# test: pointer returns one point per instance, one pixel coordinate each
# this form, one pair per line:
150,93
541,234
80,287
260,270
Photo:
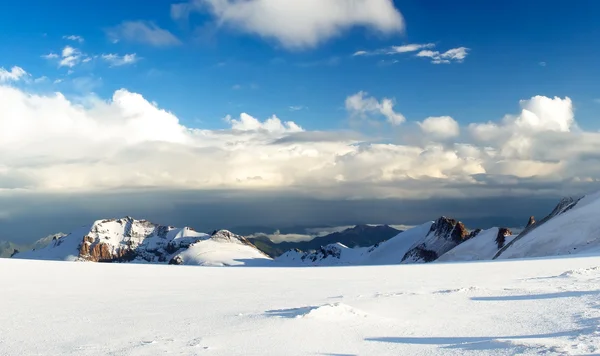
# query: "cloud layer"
297,24
49,143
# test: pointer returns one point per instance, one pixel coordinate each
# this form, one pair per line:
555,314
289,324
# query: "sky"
365,111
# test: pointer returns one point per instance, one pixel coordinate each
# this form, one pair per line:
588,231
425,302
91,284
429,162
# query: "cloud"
15,74
69,57
360,104
142,32
542,64
271,125
298,24
74,38
297,107
395,49
116,60
441,127
54,144
452,55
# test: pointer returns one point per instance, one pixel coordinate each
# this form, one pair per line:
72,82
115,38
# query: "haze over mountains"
571,228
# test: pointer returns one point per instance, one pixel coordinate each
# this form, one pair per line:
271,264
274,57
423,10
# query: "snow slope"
414,245
140,241
572,228
548,306
388,252
481,247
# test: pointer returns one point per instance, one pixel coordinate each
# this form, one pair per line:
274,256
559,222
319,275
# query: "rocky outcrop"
562,207
444,235
531,221
503,232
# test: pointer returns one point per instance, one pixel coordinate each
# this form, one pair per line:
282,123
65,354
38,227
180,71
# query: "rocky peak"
531,221
503,232
449,229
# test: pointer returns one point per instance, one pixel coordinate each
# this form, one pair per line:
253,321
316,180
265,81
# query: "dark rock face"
449,229
501,237
444,235
530,222
420,253
15,251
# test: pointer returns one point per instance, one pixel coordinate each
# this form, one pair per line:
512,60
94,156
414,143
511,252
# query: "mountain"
424,243
573,227
483,246
140,241
7,249
358,236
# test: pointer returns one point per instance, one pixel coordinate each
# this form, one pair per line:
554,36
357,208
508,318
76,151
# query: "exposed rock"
15,251
177,260
444,234
531,221
501,237
449,229
473,233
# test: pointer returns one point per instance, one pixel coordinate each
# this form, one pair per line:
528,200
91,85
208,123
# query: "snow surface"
576,231
526,307
481,247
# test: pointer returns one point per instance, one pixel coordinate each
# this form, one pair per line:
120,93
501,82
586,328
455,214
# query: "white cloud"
396,49
51,143
452,55
74,38
116,60
362,105
142,32
440,127
297,24
15,74
297,107
542,64
69,57
272,124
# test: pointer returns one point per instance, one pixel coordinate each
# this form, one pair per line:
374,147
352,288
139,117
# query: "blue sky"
213,73
405,109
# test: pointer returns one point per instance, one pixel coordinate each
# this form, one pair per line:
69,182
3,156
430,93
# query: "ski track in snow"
529,307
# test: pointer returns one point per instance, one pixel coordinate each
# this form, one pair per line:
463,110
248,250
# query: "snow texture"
525,307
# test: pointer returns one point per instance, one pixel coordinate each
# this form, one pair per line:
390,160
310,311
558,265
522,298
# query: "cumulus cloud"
51,143
441,127
142,32
15,74
271,125
297,24
452,55
116,60
362,105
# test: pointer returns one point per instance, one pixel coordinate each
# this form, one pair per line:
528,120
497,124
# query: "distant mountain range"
7,249
571,228
358,236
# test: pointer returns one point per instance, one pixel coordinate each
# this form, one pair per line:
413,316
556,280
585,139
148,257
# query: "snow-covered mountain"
483,246
423,243
573,227
130,240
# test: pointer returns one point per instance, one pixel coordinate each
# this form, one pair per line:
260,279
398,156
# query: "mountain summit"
131,240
